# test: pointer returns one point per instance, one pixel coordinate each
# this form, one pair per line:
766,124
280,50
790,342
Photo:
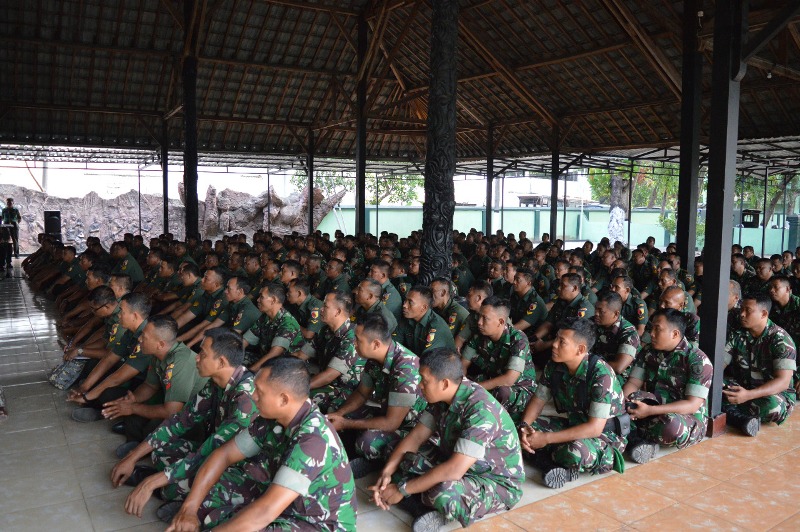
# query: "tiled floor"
54,473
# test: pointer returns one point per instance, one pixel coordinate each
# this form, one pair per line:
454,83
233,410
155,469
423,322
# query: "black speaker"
52,222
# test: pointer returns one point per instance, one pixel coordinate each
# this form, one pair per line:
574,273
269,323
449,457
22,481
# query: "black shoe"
642,452
362,467
166,512
749,425
139,474
123,450
118,428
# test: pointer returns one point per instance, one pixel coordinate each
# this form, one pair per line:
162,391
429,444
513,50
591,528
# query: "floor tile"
30,439
492,524
550,515
382,521
670,480
790,525
718,463
108,511
780,484
90,452
21,405
18,493
684,517
66,517
22,421
742,506
27,389
37,463
613,497
95,479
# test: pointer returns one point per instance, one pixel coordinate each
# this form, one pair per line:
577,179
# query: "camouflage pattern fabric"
281,331
179,458
474,425
490,359
751,362
788,317
616,340
395,383
338,352
596,455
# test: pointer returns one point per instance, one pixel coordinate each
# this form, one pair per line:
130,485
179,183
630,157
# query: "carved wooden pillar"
440,157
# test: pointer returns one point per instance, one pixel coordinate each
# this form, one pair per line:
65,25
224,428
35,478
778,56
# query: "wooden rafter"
651,51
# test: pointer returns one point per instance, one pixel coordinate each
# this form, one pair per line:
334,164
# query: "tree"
400,189
750,193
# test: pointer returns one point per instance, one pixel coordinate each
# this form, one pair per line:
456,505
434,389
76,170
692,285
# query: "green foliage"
398,190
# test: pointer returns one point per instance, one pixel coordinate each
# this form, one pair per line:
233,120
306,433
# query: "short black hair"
226,342
294,266
573,279
242,283
302,284
192,268
375,327
166,325
425,292
276,290
443,363
343,299
582,328
762,300
675,318
483,286
123,280
290,373
139,303
500,305
612,300
102,295
101,272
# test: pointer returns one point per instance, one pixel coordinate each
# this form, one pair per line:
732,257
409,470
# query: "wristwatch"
401,487
80,351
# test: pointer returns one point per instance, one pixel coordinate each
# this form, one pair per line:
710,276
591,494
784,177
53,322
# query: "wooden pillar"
554,174
489,178
165,172
361,129
440,156
310,169
189,75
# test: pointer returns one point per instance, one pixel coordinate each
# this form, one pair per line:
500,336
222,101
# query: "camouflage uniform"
529,308
755,285
692,333
562,309
306,457
430,332
751,362
605,401
474,425
634,311
379,308
670,376
620,338
280,331
337,350
242,315
395,383
215,414
129,266
454,314
490,359
788,317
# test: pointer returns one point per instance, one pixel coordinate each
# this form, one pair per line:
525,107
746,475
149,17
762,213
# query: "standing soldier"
297,476
586,389
667,390
476,437
760,370
12,217
499,358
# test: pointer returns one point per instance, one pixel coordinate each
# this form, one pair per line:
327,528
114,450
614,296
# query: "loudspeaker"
52,222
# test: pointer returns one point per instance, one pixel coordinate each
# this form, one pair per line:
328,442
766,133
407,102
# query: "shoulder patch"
582,312
385,297
429,339
531,308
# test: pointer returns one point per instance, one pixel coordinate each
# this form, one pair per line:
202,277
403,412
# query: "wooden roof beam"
332,8
651,51
506,73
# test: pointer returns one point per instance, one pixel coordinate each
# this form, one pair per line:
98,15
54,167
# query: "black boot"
748,424
553,475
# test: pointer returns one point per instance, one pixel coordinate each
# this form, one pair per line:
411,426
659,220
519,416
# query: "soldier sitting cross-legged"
475,469
184,440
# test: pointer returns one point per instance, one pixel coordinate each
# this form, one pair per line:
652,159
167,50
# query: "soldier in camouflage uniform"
667,390
785,311
469,328
391,378
499,358
760,369
634,309
276,332
183,441
570,304
445,305
528,309
421,329
296,475
674,297
474,435
368,295
759,282
586,389
339,365
617,340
